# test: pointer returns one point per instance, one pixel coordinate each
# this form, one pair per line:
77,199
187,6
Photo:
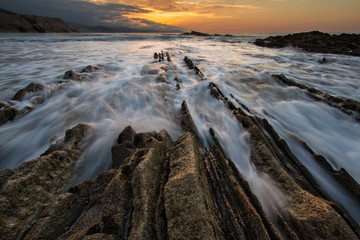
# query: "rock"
189,208
32,87
7,114
188,124
61,213
26,192
146,189
241,212
120,152
315,41
20,94
123,202
310,216
35,87
127,135
13,22
89,69
348,106
72,75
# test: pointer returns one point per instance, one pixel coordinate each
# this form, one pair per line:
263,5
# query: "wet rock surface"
349,106
163,188
31,186
347,44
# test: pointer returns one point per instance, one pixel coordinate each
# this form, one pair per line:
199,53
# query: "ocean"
131,88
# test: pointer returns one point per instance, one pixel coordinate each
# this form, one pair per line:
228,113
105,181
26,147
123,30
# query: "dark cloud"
86,13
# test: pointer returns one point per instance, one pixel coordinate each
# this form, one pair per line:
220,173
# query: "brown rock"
72,75
24,195
188,124
128,134
20,94
61,213
7,114
89,69
146,188
190,211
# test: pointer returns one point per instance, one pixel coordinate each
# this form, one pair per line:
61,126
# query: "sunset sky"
212,16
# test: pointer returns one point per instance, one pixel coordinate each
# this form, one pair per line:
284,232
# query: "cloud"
87,13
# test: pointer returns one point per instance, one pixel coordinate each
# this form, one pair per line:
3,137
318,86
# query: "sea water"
125,91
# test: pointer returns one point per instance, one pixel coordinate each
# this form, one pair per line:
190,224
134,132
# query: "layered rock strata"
308,212
27,190
161,189
349,106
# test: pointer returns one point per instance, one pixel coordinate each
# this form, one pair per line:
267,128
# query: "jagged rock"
348,106
315,41
197,34
72,75
127,206
241,212
127,135
7,114
32,87
311,217
35,87
124,147
189,208
61,213
146,189
25,193
187,123
20,94
89,69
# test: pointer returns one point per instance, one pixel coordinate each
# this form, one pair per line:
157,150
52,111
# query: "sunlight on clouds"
245,15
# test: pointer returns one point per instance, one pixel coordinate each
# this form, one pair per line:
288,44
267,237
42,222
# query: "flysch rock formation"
163,188
13,22
349,106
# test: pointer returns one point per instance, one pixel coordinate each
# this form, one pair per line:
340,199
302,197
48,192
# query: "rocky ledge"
13,22
200,34
163,188
315,41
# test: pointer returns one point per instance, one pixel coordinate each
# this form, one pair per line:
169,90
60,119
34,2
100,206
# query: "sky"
211,16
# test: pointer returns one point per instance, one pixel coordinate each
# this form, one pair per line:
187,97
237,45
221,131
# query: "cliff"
13,22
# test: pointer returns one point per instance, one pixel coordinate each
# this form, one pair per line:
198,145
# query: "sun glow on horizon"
230,16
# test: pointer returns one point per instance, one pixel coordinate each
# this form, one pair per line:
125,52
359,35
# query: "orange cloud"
250,16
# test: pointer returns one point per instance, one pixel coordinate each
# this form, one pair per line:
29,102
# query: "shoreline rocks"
315,41
163,188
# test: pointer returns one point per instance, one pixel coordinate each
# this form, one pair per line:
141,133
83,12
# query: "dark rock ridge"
200,34
13,22
161,189
318,42
191,65
349,106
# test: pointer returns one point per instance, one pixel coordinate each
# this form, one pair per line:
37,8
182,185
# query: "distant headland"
315,41
13,22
